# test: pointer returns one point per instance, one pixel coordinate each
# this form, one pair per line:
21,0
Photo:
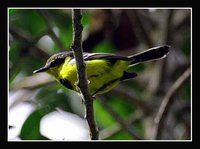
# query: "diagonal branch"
82,77
142,31
48,21
119,119
108,132
28,43
130,97
166,38
167,102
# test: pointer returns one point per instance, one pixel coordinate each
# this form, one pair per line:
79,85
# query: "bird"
104,70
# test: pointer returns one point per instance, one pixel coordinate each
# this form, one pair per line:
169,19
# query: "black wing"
110,57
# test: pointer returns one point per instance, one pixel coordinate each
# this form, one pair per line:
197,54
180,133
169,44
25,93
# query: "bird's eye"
53,64
56,62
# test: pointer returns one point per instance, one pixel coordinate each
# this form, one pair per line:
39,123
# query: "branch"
82,78
48,21
130,97
166,39
167,102
184,22
32,82
108,132
142,31
120,120
29,43
166,26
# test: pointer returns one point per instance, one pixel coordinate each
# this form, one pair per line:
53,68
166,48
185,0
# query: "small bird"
104,70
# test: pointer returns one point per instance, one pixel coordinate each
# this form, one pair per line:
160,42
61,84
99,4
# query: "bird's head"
54,63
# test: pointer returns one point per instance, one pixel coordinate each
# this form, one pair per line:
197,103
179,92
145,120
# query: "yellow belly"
102,75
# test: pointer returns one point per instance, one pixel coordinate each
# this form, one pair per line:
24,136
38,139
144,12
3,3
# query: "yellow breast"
100,73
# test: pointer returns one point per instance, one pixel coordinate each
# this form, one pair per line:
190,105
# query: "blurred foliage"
31,127
122,135
108,31
104,47
104,119
22,18
121,106
54,96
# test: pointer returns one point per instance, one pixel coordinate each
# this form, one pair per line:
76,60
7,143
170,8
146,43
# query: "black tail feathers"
150,54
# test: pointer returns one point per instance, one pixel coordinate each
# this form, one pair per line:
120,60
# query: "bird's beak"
43,69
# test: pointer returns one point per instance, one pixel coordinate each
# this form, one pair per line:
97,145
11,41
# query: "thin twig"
33,82
20,96
167,102
142,32
48,21
166,38
166,26
82,77
120,120
29,43
184,22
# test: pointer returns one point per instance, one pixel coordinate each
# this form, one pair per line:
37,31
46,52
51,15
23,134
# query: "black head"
54,61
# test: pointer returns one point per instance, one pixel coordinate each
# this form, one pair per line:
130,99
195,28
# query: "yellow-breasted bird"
104,71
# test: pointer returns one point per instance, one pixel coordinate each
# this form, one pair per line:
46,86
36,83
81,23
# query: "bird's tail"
150,54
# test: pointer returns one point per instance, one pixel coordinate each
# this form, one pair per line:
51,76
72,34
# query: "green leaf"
121,135
29,20
64,23
104,119
120,106
104,47
28,64
139,127
49,95
31,127
14,57
14,52
86,18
